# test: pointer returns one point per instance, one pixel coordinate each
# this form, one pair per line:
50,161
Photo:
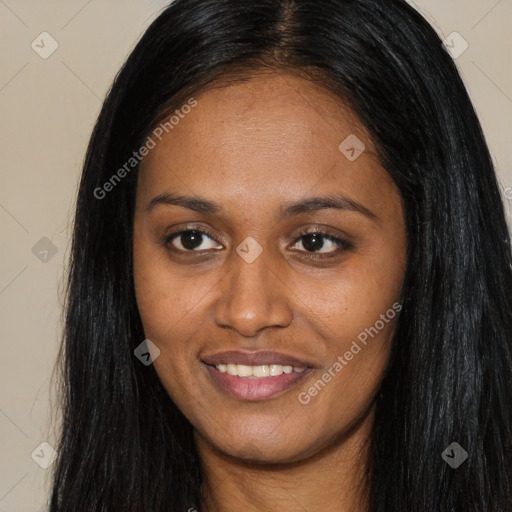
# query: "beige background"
48,109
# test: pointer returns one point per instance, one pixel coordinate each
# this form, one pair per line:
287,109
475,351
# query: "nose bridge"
253,297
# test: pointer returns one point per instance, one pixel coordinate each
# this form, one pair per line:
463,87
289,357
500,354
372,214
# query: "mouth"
254,376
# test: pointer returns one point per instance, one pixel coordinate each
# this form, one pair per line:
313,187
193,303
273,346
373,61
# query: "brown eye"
189,240
321,242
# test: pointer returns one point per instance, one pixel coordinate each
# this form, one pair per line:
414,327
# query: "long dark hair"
124,444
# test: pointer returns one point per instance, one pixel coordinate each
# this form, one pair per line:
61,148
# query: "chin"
270,449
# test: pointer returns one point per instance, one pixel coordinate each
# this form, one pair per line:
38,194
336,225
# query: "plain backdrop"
49,102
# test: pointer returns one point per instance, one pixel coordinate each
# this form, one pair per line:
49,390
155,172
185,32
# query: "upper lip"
254,358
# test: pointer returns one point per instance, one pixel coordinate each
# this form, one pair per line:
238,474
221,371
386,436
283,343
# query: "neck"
333,479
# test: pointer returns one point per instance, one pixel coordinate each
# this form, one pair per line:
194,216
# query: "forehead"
274,135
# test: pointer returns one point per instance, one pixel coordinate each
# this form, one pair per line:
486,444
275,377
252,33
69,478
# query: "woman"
290,273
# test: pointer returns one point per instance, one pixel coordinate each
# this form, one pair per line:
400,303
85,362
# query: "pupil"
313,242
191,239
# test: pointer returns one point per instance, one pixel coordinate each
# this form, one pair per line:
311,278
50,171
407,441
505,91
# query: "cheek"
166,312
355,314
173,307
355,297
165,297
357,336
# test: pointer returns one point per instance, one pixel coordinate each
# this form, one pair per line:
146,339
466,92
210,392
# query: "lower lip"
255,388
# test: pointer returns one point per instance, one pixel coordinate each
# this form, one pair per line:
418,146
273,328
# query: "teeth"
261,371
276,369
244,371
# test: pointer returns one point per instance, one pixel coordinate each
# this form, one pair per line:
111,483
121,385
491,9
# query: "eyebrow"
289,209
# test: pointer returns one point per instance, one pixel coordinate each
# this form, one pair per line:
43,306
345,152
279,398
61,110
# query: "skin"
251,147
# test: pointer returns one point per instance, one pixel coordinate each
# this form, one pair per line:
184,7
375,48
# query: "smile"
259,371
242,381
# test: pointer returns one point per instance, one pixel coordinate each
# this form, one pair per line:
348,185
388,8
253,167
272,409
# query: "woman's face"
273,340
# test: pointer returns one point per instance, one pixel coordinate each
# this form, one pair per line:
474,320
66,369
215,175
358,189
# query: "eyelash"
343,245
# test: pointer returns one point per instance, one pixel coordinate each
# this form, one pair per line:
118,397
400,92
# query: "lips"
254,358
253,388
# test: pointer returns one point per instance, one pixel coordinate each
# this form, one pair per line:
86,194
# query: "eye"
322,242
316,242
191,240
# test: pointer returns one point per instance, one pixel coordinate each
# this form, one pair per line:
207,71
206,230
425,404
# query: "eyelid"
204,231
342,243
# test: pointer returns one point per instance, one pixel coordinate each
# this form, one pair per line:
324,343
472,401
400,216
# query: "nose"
253,297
